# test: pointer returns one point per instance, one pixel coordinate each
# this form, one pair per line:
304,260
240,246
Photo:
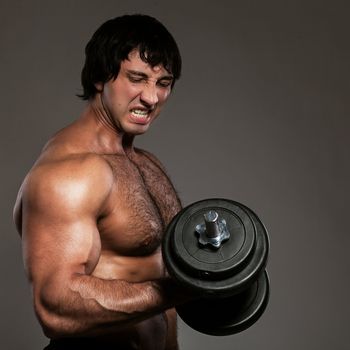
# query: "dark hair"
116,38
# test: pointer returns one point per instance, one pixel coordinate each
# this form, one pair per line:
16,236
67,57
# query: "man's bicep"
53,245
59,226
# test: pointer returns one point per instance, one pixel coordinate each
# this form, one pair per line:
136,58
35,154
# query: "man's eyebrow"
135,72
167,77
144,75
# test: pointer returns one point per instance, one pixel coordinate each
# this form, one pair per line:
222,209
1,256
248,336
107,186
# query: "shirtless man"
93,209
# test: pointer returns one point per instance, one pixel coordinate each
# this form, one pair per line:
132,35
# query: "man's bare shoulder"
72,181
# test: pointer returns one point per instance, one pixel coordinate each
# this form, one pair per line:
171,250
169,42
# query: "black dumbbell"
219,248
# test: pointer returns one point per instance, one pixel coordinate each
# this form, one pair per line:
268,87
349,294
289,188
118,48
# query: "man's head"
116,39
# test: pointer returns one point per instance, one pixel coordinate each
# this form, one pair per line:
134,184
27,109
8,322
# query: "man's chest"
141,205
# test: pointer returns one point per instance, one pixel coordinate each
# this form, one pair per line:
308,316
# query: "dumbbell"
218,248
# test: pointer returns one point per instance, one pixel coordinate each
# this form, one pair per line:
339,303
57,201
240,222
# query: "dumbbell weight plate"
226,270
230,315
208,261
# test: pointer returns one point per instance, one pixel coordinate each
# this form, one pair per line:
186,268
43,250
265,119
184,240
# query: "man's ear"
99,86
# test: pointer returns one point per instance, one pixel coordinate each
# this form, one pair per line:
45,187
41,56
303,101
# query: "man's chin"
136,129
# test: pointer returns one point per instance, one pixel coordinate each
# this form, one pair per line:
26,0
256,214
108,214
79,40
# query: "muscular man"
93,209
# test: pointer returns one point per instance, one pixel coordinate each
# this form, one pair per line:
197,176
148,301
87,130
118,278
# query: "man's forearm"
92,306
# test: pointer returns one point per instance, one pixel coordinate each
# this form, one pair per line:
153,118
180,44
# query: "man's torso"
141,203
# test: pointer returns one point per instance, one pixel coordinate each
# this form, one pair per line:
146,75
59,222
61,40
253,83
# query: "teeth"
139,112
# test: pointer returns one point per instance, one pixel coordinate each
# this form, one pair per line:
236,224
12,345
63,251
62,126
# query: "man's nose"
149,95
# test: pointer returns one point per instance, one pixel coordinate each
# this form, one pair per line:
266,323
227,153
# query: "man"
93,209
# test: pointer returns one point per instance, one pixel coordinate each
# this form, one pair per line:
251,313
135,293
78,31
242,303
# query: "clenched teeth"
139,112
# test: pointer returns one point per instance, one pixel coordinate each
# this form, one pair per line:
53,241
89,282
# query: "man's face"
135,98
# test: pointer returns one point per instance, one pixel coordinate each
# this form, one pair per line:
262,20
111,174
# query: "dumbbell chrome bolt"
214,231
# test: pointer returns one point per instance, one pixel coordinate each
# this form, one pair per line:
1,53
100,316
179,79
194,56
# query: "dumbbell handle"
212,224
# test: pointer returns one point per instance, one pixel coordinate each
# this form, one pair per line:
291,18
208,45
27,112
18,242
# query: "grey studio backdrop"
261,115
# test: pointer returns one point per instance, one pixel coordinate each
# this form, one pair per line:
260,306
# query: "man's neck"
110,139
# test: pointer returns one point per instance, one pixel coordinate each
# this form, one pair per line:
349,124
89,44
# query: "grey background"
260,116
